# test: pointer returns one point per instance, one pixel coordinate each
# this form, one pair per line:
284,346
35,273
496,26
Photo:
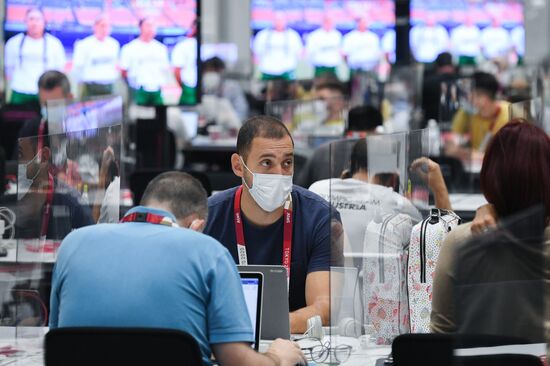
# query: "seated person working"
155,270
248,219
358,196
486,117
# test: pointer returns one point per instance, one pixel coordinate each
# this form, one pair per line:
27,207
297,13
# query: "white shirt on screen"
277,52
146,63
27,58
388,44
95,61
517,35
465,40
324,48
362,49
184,56
495,42
428,42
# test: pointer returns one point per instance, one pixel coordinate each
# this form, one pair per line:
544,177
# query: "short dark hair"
444,59
515,174
486,83
52,79
142,20
30,129
331,84
364,118
359,157
260,126
184,194
214,63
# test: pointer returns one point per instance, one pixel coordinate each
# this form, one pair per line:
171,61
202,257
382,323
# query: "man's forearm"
298,318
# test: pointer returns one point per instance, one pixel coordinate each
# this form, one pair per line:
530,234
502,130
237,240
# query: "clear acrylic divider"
65,181
312,122
381,195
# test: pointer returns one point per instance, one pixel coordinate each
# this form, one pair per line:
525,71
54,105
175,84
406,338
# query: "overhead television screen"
149,46
301,39
473,31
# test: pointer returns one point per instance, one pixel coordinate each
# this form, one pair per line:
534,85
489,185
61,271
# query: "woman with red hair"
515,176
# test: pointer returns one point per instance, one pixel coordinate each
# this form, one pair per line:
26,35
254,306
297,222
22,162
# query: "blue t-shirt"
311,243
148,275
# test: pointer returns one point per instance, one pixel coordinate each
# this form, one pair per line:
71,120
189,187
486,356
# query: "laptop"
274,321
252,283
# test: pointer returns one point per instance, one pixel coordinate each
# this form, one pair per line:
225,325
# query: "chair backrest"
498,360
120,346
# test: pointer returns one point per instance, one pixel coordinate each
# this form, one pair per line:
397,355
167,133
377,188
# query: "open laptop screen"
252,289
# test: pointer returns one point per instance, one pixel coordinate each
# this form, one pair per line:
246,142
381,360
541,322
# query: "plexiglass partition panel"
65,181
369,304
312,122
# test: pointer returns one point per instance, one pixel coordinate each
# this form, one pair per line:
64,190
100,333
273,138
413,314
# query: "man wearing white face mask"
267,220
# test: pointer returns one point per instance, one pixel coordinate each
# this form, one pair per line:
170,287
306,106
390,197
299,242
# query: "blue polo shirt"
148,275
311,243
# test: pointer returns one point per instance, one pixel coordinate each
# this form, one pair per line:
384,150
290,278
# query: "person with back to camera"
267,220
155,269
331,158
27,55
514,177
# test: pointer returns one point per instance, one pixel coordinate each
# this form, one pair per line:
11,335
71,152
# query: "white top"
96,61
323,48
428,42
495,42
362,49
277,52
359,202
465,40
146,63
184,56
27,58
517,36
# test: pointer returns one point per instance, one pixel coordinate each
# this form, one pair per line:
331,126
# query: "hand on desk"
284,352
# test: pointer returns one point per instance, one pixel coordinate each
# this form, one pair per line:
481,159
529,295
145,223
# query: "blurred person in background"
439,85
495,40
428,40
184,61
332,93
144,64
214,82
95,60
361,48
27,55
480,120
277,50
330,159
465,41
324,47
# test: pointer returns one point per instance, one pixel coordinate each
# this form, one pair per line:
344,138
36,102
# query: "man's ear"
237,165
45,154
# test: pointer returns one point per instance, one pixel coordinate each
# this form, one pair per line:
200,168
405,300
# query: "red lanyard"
239,231
47,208
149,218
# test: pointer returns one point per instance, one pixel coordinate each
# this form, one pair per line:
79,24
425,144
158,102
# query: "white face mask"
211,82
269,190
44,112
23,182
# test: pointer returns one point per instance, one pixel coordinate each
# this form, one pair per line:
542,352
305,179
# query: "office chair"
110,346
498,360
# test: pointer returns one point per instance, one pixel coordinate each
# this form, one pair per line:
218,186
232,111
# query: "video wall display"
472,31
151,44
300,39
